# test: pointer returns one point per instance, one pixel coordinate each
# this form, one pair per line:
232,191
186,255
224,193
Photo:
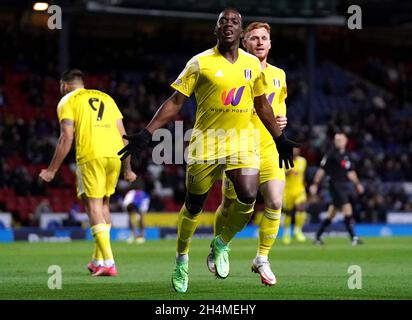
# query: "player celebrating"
227,83
295,199
338,166
272,178
97,123
136,202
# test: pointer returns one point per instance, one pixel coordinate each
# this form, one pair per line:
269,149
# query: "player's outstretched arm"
167,112
62,149
283,144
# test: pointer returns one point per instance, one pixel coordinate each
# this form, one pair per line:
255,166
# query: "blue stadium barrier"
65,234
383,230
62,234
6,235
124,234
54,225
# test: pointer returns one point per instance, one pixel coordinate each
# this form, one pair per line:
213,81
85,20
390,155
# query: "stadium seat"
170,205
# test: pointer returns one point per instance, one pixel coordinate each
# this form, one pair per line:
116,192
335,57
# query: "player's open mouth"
227,33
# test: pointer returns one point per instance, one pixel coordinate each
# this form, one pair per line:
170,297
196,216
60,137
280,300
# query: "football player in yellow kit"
93,118
227,83
272,177
295,199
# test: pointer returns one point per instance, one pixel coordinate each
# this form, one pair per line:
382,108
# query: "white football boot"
263,269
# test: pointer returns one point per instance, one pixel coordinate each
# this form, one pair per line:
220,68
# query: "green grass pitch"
304,271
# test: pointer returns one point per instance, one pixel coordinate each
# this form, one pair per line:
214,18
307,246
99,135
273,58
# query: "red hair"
256,25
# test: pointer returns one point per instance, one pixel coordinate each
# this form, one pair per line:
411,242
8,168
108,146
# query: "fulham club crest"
248,74
276,82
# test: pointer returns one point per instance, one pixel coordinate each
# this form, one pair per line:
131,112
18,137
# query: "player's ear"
242,34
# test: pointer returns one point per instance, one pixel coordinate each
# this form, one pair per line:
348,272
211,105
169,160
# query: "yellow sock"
300,220
220,219
186,227
238,216
97,253
101,235
268,231
286,224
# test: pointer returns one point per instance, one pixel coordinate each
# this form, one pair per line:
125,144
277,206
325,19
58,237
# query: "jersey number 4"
101,108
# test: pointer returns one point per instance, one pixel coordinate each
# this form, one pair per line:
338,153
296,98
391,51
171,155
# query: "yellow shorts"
98,178
269,165
293,198
269,170
200,177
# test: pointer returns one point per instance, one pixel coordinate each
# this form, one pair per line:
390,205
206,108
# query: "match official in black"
338,166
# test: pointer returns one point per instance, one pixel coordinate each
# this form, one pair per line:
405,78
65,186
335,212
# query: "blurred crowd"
391,74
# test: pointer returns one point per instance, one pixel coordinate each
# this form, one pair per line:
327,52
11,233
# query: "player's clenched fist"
282,122
129,176
313,189
46,175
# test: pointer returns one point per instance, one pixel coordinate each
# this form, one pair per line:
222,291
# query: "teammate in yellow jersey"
295,199
272,178
227,83
93,118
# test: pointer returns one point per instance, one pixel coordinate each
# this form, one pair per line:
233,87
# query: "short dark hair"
72,75
234,10
339,130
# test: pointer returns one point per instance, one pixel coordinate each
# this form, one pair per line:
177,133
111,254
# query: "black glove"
137,142
285,150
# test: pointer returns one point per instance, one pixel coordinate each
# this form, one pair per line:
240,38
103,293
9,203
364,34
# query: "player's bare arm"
265,113
62,149
313,189
353,177
167,112
128,173
283,144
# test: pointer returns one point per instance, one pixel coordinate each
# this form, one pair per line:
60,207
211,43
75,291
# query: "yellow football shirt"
224,93
295,177
276,93
94,114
